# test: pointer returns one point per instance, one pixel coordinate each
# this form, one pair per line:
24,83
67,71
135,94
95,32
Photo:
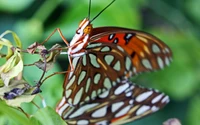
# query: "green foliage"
175,22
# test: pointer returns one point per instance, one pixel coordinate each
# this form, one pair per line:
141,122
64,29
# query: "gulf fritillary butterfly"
97,90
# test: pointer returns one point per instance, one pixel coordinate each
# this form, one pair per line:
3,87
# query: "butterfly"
101,61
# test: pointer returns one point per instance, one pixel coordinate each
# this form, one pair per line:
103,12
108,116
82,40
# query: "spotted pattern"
156,99
107,83
78,96
111,36
108,107
117,66
100,112
123,111
109,59
116,106
82,122
146,64
156,49
128,37
128,63
144,96
84,61
160,62
105,49
97,78
116,40
93,61
142,109
81,77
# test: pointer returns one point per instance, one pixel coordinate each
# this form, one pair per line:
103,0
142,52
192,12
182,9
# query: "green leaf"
47,116
13,116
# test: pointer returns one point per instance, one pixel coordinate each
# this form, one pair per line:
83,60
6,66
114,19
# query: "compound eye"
88,29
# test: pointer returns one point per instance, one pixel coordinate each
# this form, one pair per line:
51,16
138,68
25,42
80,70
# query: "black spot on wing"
133,54
116,40
111,36
128,37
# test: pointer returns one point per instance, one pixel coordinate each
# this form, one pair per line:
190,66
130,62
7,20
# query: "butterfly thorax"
80,39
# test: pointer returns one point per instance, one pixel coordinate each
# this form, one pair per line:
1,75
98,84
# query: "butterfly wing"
95,72
113,53
147,52
123,103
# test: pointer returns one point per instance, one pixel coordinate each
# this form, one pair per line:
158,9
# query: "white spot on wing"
123,111
107,83
120,48
155,48
117,66
74,61
154,108
160,62
167,61
84,60
128,63
165,99
68,93
81,77
111,36
93,60
146,63
143,96
82,122
100,112
156,99
128,36
88,84
109,59
116,106
131,102
104,94
142,109
121,89
105,49
94,94
97,78
78,96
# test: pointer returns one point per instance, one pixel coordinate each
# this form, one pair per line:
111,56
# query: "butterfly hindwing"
123,103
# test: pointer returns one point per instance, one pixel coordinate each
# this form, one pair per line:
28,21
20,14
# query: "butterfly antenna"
102,10
89,9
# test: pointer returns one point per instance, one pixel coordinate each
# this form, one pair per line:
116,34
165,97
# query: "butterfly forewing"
123,103
100,69
148,53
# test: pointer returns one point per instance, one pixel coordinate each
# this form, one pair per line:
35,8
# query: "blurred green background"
176,22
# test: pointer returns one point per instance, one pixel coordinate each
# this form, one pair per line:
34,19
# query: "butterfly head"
83,32
85,27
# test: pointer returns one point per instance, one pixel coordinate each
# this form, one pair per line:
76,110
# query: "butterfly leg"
61,35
